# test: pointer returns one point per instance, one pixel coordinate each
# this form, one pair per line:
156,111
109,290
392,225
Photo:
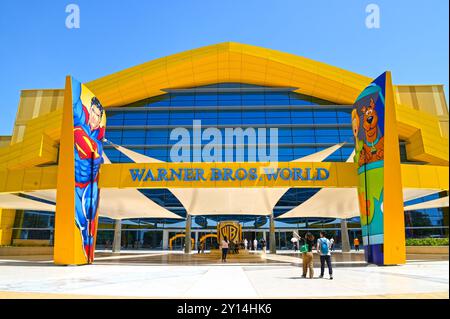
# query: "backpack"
323,246
304,248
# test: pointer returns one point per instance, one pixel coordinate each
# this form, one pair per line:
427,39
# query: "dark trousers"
357,247
224,253
324,259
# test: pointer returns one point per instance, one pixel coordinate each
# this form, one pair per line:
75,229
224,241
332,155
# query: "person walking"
224,246
331,243
294,241
255,244
231,247
323,246
263,245
245,243
307,254
356,243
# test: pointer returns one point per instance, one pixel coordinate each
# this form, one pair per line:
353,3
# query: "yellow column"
7,217
68,244
394,216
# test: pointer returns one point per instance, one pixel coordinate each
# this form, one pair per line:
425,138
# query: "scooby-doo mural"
372,150
368,131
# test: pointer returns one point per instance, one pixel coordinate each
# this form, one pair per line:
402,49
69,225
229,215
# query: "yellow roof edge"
154,75
47,89
399,85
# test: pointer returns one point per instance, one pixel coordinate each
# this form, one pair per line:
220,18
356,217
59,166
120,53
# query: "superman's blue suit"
88,157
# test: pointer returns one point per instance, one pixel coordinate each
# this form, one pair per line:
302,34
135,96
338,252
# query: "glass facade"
305,125
432,222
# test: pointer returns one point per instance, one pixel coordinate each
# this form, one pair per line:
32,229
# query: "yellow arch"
204,237
179,236
229,62
236,62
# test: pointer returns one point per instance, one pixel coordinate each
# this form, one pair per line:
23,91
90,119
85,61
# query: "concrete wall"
31,242
25,251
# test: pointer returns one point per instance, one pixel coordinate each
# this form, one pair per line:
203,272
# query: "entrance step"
242,256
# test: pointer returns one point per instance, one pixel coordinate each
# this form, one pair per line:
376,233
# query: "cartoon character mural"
89,130
355,128
368,130
373,146
80,156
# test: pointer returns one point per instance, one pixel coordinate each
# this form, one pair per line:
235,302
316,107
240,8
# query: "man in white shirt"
324,248
255,244
294,242
245,243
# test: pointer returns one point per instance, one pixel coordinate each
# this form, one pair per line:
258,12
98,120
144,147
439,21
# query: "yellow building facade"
29,158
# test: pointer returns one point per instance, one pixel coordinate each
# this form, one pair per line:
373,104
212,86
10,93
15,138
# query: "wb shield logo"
231,231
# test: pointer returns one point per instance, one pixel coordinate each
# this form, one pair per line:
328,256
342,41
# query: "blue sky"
37,50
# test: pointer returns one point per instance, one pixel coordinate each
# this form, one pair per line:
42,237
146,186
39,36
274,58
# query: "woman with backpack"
323,246
307,254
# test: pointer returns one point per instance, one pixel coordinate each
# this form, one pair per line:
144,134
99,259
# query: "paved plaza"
175,275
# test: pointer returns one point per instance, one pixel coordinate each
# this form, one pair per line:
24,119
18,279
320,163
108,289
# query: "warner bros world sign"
188,174
209,175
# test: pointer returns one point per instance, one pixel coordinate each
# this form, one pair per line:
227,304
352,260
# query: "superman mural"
89,121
